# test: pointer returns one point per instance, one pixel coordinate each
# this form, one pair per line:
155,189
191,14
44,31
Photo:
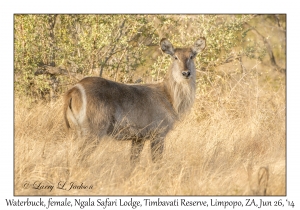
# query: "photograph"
149,105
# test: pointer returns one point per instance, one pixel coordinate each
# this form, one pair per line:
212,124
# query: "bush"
118,46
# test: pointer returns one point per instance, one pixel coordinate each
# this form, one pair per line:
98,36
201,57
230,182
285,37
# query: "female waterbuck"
136,112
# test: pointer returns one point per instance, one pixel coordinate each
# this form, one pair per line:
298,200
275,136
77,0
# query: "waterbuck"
101,107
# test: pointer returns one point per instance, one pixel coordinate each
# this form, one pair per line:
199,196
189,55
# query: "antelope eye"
191,57
175,57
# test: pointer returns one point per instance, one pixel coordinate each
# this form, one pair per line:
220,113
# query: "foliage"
221,31
117,46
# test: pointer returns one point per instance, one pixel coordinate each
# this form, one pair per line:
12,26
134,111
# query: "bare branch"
269,50
112,50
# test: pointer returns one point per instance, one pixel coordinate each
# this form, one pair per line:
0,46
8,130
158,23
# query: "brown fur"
136,112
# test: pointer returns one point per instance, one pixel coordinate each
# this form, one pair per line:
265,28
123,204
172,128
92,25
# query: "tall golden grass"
234,137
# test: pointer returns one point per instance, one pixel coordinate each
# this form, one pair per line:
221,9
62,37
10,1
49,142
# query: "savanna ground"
236,127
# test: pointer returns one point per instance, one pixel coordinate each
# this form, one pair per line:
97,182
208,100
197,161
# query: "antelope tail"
67,104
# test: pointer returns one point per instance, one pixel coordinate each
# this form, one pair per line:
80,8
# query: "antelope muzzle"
186,74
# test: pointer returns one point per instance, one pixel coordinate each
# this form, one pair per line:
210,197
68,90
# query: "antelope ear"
166,46
199,45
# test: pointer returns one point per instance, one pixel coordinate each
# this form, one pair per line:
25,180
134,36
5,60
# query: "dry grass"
236,127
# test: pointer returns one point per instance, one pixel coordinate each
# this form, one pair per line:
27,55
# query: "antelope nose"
186,73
